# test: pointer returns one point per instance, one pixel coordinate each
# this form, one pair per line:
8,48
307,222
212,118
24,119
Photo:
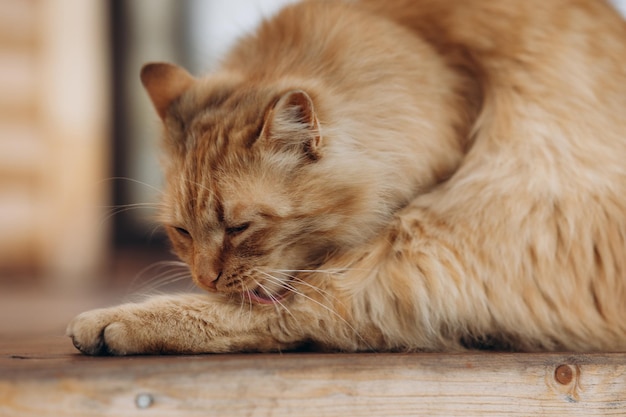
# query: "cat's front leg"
195,323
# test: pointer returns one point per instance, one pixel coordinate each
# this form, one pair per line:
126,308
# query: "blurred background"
79,173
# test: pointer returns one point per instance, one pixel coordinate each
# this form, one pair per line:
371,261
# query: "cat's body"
395,175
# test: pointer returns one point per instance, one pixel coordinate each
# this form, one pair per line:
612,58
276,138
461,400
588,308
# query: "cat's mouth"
262,296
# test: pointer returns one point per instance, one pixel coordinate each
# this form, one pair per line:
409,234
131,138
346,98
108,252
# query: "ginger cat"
400,175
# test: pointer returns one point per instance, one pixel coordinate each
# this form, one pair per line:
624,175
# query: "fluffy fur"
395,175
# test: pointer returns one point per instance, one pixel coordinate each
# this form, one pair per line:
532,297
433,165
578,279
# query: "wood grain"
44,377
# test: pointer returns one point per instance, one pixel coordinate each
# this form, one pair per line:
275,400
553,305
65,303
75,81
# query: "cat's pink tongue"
259,298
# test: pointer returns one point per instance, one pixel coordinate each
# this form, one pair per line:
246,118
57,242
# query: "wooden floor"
41,374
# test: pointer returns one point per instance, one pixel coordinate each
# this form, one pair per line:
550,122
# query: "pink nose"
210,282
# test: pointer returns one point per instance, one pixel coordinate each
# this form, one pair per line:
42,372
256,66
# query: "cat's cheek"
182,246
183,251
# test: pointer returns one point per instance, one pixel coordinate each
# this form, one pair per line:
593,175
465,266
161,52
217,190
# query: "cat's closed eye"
183,232
235,230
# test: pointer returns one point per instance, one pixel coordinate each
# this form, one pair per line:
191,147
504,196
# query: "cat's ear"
292,123
164,84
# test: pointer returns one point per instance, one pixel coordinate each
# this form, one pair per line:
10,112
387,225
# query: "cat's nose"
211,280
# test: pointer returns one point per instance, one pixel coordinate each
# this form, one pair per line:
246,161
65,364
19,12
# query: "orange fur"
395,175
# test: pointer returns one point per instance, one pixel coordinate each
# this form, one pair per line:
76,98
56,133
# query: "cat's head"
251,197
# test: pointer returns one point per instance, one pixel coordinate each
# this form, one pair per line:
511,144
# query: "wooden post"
74,113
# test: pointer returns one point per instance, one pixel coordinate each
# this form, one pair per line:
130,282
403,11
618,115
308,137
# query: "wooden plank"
49,379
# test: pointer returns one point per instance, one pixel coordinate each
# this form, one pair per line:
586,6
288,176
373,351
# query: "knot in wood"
564,374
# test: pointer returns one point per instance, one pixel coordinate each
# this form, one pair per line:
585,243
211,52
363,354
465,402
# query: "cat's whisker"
125,207
159,266
134,205
154,285
327,296
288,286
155,228
334,271
145,184
167,272
244,302
275,301
116,210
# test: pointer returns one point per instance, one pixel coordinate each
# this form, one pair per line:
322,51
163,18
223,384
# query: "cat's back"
576,44
475,23
333,41
558,64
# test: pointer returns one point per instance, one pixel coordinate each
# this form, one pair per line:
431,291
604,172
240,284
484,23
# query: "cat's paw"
104,332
